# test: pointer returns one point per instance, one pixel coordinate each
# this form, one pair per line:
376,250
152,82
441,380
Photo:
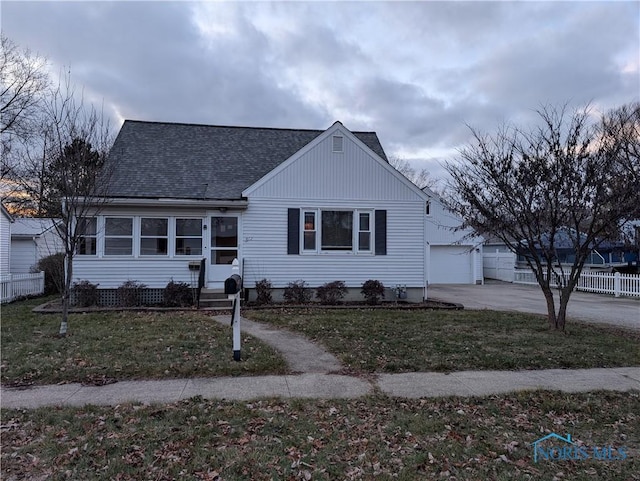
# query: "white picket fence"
599,282
14,286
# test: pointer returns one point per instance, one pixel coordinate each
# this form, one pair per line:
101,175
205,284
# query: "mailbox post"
232,287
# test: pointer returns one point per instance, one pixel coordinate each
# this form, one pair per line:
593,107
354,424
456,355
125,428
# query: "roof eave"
171,202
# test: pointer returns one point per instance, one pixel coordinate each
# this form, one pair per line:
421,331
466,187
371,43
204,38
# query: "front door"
225,236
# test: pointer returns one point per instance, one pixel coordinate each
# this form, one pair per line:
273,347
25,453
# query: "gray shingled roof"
187,161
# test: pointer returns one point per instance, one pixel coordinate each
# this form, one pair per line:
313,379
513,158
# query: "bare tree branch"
567,183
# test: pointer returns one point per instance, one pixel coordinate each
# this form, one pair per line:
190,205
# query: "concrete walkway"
329,386
302,355
504,296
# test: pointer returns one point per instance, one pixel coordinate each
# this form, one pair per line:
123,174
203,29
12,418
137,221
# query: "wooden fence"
599,282
15,286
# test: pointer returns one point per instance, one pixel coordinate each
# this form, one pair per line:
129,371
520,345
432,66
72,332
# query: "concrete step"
215,299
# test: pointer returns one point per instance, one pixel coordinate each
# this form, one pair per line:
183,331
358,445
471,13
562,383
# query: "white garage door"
451,265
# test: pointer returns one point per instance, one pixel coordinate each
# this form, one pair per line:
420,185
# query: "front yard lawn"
369,438
430,340
106,346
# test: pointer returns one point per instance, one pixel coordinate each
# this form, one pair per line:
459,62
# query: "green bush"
85,293
178,294
373,291
297,292
129,293
53,268
331,293
263,292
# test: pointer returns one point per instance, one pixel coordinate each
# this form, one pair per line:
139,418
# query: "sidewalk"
316,385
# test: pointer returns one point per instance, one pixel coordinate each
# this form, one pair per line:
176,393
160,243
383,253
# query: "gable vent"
338,143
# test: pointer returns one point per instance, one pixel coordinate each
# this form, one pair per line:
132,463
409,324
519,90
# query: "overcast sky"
414,72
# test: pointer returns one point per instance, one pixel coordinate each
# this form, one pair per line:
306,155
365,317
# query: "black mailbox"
233,284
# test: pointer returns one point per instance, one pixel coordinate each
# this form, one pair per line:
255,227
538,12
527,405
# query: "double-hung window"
188,237
87,242
118,236
154,236
364,231
309,231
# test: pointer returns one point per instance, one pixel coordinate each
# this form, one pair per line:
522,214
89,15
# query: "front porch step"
215,299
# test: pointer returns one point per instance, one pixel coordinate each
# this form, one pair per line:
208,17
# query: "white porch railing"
599,282
14,286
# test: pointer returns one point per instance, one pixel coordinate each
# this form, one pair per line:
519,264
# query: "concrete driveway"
504,296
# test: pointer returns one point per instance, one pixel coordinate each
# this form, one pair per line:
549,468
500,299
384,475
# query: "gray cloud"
416,73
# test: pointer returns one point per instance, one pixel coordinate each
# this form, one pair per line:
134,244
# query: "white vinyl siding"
265,249
319,174
5,243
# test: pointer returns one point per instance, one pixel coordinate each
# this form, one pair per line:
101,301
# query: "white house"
290,204
31,240
454,255
5,240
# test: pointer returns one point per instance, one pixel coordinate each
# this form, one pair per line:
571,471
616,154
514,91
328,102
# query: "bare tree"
422,178
24,84
560,185
78,139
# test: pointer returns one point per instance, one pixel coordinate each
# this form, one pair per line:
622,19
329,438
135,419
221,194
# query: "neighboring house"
5,240
289,204
31,240
454,256
499,259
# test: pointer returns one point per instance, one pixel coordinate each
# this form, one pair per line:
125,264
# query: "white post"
235,269
616,284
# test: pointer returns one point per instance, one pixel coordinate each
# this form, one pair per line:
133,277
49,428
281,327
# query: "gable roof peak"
176,160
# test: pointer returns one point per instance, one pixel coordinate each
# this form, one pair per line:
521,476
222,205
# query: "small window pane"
224,232
364,241
309,221
87,246
117,246
115,226
87,226
337,230
150,246
226,256
309,241
364,221
189,227
154,227
189,246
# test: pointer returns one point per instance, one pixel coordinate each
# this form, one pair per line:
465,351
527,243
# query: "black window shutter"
293,232
381,232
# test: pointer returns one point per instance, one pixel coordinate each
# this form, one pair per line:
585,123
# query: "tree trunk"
551,306
66,295
565,294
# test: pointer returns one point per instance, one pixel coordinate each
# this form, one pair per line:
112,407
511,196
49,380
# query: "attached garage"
452,264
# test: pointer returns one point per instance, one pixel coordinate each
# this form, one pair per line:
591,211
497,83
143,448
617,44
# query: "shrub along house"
289,204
